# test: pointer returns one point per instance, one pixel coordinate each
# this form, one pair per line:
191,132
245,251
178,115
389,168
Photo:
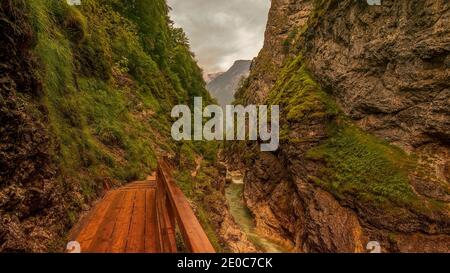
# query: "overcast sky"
222,31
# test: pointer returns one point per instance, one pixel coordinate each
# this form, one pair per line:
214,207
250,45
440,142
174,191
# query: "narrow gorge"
87,89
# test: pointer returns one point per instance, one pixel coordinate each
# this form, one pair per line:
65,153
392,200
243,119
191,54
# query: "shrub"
76,25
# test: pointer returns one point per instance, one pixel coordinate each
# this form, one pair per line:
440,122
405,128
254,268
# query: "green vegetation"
110,72
319,9
299,95
359,164
355,163
200,188
197,177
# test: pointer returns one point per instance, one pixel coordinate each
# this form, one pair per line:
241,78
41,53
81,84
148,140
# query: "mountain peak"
225,85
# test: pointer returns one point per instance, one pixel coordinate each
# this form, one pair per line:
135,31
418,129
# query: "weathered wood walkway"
142,217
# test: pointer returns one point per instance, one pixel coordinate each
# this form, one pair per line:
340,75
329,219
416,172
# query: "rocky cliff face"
30,200
284,16
224,86
84,93
364,95
388,67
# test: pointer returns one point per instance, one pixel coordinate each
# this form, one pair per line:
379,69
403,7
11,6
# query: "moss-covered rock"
346,151
92,85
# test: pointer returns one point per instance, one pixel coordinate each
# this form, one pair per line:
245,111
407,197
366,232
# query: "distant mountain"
211,76
224,86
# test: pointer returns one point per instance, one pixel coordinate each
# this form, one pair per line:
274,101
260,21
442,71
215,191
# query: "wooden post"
174,209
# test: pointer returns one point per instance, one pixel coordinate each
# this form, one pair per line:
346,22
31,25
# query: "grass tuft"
354,163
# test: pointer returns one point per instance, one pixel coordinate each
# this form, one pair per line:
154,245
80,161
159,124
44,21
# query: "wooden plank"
166,228
142,183
122,227
87,233
169,230
141,217
136,184
151,233
139,185
151,177
136,189
194,236
76,230
159,219
102,239
135,242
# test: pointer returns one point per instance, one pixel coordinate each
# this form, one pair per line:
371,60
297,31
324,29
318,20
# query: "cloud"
222,31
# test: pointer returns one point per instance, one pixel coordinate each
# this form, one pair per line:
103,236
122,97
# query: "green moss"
187,156
204,219
288,41
98,123
76,25
299,95
199,189
354,163
357,163
319,9
110,72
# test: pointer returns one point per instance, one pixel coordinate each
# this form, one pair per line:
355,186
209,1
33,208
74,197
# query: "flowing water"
243,217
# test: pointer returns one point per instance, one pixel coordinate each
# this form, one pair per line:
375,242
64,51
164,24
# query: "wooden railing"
174,210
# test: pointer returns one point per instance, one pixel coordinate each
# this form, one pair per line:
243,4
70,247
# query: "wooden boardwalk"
141,217
124,221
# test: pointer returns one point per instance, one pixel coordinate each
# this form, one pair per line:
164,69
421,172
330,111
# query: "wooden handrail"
173,210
